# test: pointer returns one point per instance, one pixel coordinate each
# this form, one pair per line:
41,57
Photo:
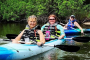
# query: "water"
53,54
11,28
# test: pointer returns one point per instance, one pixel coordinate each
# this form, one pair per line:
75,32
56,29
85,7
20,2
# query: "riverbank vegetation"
18,10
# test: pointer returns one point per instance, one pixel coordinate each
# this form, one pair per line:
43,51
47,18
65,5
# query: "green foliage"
12,10
15,9
76,7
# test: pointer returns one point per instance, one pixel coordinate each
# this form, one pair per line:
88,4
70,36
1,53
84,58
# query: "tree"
12,10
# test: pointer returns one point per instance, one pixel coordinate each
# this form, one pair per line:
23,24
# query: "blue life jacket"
70,24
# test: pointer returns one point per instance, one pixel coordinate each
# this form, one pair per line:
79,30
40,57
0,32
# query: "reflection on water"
82,54
11,28
53,54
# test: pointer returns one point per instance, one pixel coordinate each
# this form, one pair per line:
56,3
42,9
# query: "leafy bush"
12,10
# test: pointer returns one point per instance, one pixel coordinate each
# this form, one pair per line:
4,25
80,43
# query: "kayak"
75,31
13,51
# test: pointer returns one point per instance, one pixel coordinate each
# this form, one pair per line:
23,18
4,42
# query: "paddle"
87,23
78,39
68,48
78,30
70,27
11,36
81,39
62,24
5,39
75,29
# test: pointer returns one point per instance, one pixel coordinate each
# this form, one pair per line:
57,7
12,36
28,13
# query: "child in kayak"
52,29
31,34
72,23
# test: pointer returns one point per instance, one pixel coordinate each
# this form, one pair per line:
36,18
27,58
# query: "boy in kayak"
52,29
72,23
31,34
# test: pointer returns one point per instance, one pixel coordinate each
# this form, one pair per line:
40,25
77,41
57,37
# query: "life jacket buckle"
47,35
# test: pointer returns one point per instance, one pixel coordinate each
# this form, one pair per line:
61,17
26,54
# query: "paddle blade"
68,48
87,23
11,36
38,27
81,39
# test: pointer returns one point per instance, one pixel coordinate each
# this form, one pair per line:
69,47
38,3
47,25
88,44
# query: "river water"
53,54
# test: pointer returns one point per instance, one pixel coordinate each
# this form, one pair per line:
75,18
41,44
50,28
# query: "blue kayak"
75,31
12,51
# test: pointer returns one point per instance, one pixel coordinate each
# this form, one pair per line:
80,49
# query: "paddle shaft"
68,48
75,29
78,39
62,24
57,38
5,40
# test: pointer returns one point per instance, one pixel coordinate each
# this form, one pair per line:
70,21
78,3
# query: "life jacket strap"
35,32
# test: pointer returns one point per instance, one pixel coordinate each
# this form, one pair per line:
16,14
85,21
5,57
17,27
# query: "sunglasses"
51,19
72,17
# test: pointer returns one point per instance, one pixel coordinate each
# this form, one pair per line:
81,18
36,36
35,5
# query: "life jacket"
36,27
32,34
51,31
71,25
